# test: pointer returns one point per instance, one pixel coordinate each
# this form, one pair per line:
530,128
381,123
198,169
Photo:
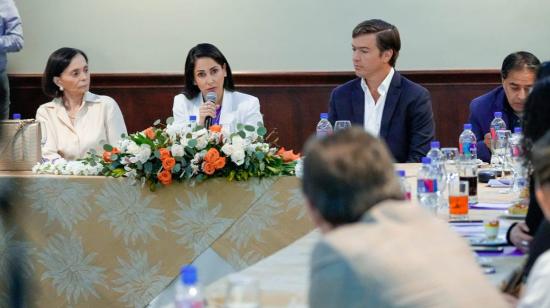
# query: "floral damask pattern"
73,273
61,201
296,200
139,281
129,213
197,224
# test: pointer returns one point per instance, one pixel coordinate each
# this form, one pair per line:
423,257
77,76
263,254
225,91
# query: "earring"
61,88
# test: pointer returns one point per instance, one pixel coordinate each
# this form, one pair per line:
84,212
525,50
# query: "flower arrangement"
163,153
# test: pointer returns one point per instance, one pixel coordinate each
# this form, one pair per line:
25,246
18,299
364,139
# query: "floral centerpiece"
163,153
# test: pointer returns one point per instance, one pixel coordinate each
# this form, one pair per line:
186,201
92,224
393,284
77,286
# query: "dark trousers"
4,96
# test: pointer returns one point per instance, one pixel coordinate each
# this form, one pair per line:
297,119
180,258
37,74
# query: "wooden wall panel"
291,102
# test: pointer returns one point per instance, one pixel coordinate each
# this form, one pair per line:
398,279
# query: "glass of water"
341,125
242,292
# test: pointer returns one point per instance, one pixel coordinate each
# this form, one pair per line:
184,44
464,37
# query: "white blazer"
236,108
98,120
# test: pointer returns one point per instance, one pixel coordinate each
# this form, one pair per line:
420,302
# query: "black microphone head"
211,97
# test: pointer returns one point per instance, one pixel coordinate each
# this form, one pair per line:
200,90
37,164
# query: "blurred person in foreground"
518,73
379,250
76,120
11,40
381,100
207,71
535,293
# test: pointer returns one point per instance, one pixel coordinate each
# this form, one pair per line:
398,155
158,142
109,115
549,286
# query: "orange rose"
164,154
288,156
165,177
168,163
219,163
107,156
150,133
215,128
212,155
115,151
208,168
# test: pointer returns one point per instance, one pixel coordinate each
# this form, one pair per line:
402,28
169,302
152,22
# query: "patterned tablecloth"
95,241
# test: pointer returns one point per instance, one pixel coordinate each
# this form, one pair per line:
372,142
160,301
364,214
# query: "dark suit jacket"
482,112
407,120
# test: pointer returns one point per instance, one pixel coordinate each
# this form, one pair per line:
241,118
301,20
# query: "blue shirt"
11,32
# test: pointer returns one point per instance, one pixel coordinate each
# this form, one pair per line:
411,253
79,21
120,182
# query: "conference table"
283,277
93,241
97,241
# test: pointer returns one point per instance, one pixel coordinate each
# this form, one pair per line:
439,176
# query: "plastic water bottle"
435,153
324,128
16,116
438,165
427,190
467,143
405,186
497,124
188,291
192,122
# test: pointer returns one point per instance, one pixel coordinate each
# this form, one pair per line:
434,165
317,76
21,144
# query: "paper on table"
500,183
469,229
491,206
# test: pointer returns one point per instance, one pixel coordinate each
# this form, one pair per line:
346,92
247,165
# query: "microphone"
210,97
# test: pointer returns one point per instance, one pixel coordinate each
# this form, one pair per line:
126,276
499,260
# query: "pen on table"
465,221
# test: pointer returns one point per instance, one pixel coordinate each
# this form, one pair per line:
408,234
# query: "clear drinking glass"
458,198
467,171
242,292
341,125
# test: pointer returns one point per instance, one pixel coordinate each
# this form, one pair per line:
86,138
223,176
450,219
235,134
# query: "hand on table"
487,140
519,236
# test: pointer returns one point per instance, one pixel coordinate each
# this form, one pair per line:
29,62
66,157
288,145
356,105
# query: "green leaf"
122,136
242,134
260,155
177,168
157,122
261,131
249,128
148,167
240,126
93,151
107,147
170,120
114,157
157,154
192,143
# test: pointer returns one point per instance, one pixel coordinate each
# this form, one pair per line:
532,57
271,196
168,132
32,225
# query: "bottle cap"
400,173
188,274
467,126
426,160
517,130
324,115
498,114
435,145
192,118
16,116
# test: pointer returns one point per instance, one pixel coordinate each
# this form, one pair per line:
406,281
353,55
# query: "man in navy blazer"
385,103
518,74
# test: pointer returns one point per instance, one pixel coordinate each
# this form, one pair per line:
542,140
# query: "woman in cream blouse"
207,70
76,120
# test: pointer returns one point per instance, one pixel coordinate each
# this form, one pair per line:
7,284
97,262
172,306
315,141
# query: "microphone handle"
207,122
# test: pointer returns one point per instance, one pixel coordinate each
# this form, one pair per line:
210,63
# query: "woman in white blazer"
76,120
207,71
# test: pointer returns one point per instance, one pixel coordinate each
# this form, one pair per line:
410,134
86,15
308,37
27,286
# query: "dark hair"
347,173
518,61
544,70
204,50
387,36
57,63
541,160
536,116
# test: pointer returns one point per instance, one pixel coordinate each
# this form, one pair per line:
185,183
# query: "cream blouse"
98,121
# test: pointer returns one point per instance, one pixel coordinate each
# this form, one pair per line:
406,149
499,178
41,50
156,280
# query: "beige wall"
278,35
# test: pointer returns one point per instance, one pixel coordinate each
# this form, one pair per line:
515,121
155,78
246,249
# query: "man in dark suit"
518,74
385,103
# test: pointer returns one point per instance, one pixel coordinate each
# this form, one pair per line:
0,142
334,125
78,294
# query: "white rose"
144,153
177,150
132,148
202,142
227,149
238,157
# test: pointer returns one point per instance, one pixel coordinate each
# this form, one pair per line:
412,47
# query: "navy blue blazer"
482,112
407,120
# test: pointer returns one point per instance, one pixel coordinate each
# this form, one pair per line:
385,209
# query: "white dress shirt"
374,110
98,121
536,290
236,107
